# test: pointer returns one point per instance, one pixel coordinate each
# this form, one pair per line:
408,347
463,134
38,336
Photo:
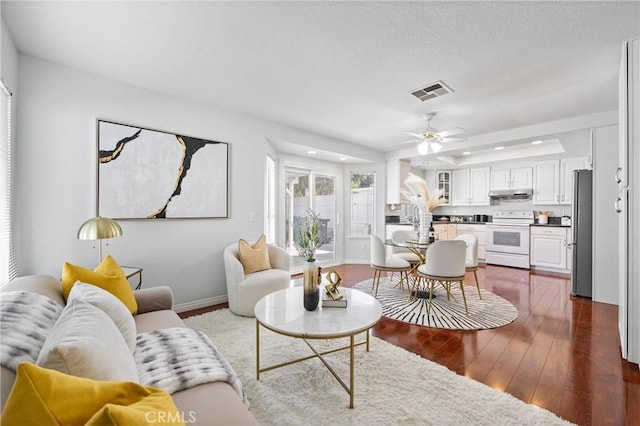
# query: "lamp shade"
99,228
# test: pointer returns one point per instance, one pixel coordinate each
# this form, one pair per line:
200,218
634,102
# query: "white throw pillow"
110,305
84,342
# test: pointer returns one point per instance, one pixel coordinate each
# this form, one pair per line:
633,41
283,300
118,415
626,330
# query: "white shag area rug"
491,311
392,386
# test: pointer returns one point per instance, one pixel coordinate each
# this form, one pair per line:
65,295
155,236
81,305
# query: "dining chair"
445,266
471,264
402,252
381,263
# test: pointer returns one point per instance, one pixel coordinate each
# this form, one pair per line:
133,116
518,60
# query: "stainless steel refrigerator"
582,219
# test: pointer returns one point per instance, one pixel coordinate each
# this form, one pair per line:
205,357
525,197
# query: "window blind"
8,268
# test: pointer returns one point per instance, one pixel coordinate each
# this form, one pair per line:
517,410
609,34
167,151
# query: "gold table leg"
257,350
319,355
351,374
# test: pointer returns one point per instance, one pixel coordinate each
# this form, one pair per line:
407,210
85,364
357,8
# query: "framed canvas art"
151,174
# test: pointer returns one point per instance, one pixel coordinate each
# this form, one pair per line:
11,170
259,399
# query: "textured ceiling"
345,69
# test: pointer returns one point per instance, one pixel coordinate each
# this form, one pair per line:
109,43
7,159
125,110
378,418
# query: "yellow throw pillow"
108,276
158,409
254,257
46,397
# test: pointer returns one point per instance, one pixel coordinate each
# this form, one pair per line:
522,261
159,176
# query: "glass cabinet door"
443,182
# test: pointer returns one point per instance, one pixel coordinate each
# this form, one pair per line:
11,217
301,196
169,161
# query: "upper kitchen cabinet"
521,177
553,180
443,183
397,172
470,187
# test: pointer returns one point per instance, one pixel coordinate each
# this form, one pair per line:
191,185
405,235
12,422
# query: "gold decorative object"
334,282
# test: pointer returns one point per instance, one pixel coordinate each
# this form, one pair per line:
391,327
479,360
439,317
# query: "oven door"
507,239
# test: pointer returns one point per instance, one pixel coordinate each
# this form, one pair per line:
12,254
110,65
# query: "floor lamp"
99,228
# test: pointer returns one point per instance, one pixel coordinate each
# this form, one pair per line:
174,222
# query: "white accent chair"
471,264
244,291
445,265
381,263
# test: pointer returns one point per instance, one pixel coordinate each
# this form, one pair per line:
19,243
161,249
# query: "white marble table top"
283,312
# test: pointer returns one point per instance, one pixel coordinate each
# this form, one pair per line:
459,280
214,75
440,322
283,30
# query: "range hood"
511,194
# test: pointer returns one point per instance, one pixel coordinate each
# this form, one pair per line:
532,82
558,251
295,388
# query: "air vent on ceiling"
433,90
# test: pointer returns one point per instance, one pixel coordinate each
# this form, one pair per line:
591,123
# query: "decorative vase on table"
423,226
310,283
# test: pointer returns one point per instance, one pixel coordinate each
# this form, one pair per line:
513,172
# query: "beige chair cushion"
254,257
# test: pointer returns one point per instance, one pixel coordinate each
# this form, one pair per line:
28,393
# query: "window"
362,204
304,190
270,200
8,268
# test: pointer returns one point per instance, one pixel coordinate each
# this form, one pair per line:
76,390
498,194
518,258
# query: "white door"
304,190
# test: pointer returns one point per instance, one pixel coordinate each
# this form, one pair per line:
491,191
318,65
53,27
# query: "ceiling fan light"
435,146
423,148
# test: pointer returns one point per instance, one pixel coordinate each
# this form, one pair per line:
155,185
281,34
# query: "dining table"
420,249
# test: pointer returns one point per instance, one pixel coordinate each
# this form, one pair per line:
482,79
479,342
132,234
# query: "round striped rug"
489,312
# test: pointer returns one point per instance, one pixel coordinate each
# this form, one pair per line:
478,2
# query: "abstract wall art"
151,174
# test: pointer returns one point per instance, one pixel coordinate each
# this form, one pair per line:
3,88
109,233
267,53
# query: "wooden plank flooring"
562,353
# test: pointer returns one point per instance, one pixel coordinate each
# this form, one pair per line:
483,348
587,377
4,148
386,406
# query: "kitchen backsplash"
557,210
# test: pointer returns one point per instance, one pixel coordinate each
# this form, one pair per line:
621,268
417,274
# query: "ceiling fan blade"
451,132
447,140
417,135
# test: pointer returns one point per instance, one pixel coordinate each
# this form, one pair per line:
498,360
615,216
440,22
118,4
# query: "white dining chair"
381,263
471,263
401,252
445,266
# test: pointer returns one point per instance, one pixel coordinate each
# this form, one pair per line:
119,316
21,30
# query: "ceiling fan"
431,139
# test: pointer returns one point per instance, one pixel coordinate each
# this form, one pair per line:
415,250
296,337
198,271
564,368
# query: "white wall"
56,179
8,58
605,218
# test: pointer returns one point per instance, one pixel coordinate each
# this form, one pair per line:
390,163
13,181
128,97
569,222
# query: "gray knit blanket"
179,358
25,321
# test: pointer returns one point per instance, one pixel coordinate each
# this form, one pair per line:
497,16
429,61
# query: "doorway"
304,190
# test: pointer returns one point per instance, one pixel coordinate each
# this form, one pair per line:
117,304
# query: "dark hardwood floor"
562,353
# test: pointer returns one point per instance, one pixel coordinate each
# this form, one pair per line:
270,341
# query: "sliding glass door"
304,190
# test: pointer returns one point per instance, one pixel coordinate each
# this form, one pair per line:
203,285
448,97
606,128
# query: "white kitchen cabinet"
478,231
521,177
443,183
549,247
397,172
567,166
470,187
546,182
553,180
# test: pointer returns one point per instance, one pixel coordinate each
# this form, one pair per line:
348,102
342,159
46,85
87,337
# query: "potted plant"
308,237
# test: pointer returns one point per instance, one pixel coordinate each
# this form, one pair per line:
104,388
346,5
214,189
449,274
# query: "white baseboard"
210,301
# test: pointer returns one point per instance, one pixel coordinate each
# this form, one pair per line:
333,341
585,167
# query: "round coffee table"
283,312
